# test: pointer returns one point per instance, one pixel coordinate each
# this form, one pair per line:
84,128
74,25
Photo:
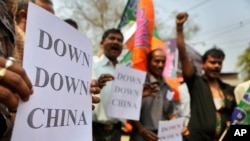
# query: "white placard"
126,96
58,60
170,130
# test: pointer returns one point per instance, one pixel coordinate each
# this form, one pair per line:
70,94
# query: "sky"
224,23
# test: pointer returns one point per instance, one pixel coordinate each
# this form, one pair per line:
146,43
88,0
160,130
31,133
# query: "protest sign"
126,95
170,130
58,60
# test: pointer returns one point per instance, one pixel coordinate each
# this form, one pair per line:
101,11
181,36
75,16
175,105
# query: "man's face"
212,67
45,6
112,45
157,63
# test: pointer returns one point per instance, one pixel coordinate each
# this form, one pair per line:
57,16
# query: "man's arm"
187,66
145,133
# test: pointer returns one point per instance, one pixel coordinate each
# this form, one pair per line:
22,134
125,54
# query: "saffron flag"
145,33
241,114
156,41
144,39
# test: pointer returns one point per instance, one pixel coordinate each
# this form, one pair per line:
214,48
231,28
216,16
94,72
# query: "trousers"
107,132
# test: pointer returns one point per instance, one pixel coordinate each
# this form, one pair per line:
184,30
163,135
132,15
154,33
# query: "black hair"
71,22
214,52
23,5
109,31
45,1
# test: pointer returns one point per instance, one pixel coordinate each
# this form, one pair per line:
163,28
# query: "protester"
14,82
21,20
104,127
212,101
21,14
181,97
154,109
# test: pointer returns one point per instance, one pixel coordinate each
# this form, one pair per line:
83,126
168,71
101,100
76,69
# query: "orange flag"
146,37
143,34
156,42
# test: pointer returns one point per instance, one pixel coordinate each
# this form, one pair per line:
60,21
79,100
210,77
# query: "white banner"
58,60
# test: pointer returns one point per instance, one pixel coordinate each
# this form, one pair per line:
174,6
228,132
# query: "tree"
92,16
244,63
95,16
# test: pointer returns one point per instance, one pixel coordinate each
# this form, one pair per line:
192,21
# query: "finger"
146,85
95,99
95,87
22,73
17,84
95,90
153,95
17,69
107,77
150,137
153,136
93,107
101,85
156,89
182,14
9,99
185,131
94,83
179,16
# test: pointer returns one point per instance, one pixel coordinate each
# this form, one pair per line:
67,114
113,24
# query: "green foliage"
244,63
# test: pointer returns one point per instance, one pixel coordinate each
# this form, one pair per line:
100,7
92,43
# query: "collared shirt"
103,65
182,108
155,109
202,123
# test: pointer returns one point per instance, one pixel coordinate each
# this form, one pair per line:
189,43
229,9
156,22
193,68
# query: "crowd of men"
211,100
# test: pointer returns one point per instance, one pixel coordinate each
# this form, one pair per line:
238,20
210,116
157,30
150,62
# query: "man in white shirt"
104,127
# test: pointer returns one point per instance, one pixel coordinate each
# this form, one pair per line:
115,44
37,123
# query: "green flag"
129,13
128,16
241,114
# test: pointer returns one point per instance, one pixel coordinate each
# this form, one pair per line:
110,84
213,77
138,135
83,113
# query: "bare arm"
187,66
145,133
